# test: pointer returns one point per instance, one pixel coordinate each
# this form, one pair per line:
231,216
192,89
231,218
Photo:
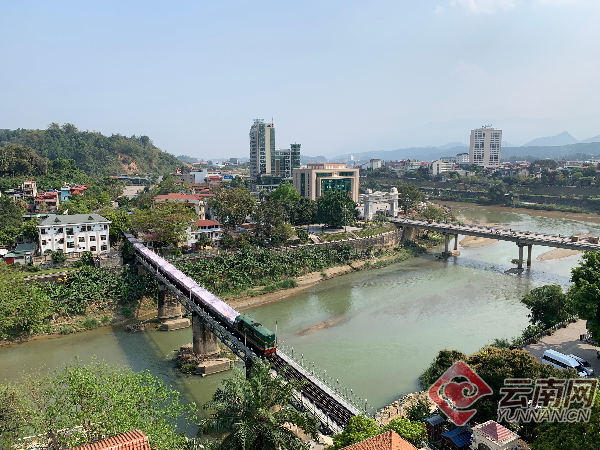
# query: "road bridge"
329,401
521,238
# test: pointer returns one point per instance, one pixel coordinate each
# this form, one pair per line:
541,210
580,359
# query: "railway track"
324,401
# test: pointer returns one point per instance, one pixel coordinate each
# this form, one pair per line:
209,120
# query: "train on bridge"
256,336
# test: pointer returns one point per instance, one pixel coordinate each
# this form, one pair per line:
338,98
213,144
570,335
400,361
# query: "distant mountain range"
562,144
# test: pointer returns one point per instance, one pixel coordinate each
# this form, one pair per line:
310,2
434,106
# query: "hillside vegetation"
97,155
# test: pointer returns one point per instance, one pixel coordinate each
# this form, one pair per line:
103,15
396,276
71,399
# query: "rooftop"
385,441
130,440
72,219
207,223
495,431
182,196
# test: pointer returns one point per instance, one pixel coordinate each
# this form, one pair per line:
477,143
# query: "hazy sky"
336,76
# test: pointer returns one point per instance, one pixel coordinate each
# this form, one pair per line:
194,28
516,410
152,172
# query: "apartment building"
74,233
262,146
485,147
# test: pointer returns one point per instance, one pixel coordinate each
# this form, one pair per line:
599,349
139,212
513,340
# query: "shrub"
90,323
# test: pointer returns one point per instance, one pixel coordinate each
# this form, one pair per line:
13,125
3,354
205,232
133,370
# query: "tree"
256,412
204,240
585,291
497,194
433,212
169,221
569,436
285,192
548,305
268,215
11,218
413,431
24,307
120,221
358,429
29,230
440,364
409,196
232,206
77,404
302,212
336,209
17,159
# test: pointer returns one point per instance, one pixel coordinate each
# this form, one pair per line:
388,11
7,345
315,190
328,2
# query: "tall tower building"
484,149
262,146
284,161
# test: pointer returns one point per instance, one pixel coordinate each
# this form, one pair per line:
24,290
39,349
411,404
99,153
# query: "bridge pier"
169,311
204,342
520,263
447,252
529,256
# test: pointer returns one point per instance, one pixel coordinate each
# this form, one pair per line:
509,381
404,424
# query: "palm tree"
256,412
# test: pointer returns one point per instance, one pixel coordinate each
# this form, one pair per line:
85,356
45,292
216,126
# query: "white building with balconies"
76,233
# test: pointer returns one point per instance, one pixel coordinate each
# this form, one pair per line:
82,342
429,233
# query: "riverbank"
246,302
105,318
580,217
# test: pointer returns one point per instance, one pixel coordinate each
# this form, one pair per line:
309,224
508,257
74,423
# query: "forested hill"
94,153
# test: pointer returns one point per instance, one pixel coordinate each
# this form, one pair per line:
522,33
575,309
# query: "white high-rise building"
262,147
485,147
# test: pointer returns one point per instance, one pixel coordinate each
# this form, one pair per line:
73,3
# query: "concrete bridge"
521,238
331,403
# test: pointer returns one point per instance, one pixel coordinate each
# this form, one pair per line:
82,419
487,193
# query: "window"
81,239
325,174
102,238
339,184
92,238
346,174
106,227
44,242
89,228
93,249
303,184
70,244
103,248
42,231
61,241
60,230
69,231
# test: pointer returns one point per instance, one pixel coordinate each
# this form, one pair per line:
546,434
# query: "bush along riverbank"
253,272
82,300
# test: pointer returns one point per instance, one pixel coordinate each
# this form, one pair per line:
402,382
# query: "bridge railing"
348,395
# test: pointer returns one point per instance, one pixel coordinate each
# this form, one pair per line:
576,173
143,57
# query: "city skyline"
377,76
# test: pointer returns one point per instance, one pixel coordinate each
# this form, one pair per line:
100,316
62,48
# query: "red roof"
130,440
496,432
385,441
207,223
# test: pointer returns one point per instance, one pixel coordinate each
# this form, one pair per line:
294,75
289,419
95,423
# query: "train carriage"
256,336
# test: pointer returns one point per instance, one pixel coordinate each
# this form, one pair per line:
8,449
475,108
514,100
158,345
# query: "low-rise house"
390,440
51,199
196,201
74,233
29,188
493,436
130,440
457,439
22,254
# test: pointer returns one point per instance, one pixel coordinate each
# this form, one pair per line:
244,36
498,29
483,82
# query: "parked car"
585,364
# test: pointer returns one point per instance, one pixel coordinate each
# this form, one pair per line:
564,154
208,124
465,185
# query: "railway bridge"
521,238
329,401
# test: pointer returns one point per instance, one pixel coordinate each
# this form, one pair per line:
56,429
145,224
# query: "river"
374,330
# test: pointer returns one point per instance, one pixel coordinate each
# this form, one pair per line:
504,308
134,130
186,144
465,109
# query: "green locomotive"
254,334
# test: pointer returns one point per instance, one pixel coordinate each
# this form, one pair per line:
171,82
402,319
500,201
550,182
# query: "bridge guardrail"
346,394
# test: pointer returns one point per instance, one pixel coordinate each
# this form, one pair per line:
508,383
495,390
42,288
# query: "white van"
586,365
561,361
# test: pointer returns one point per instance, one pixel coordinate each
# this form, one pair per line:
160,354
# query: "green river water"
374,330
